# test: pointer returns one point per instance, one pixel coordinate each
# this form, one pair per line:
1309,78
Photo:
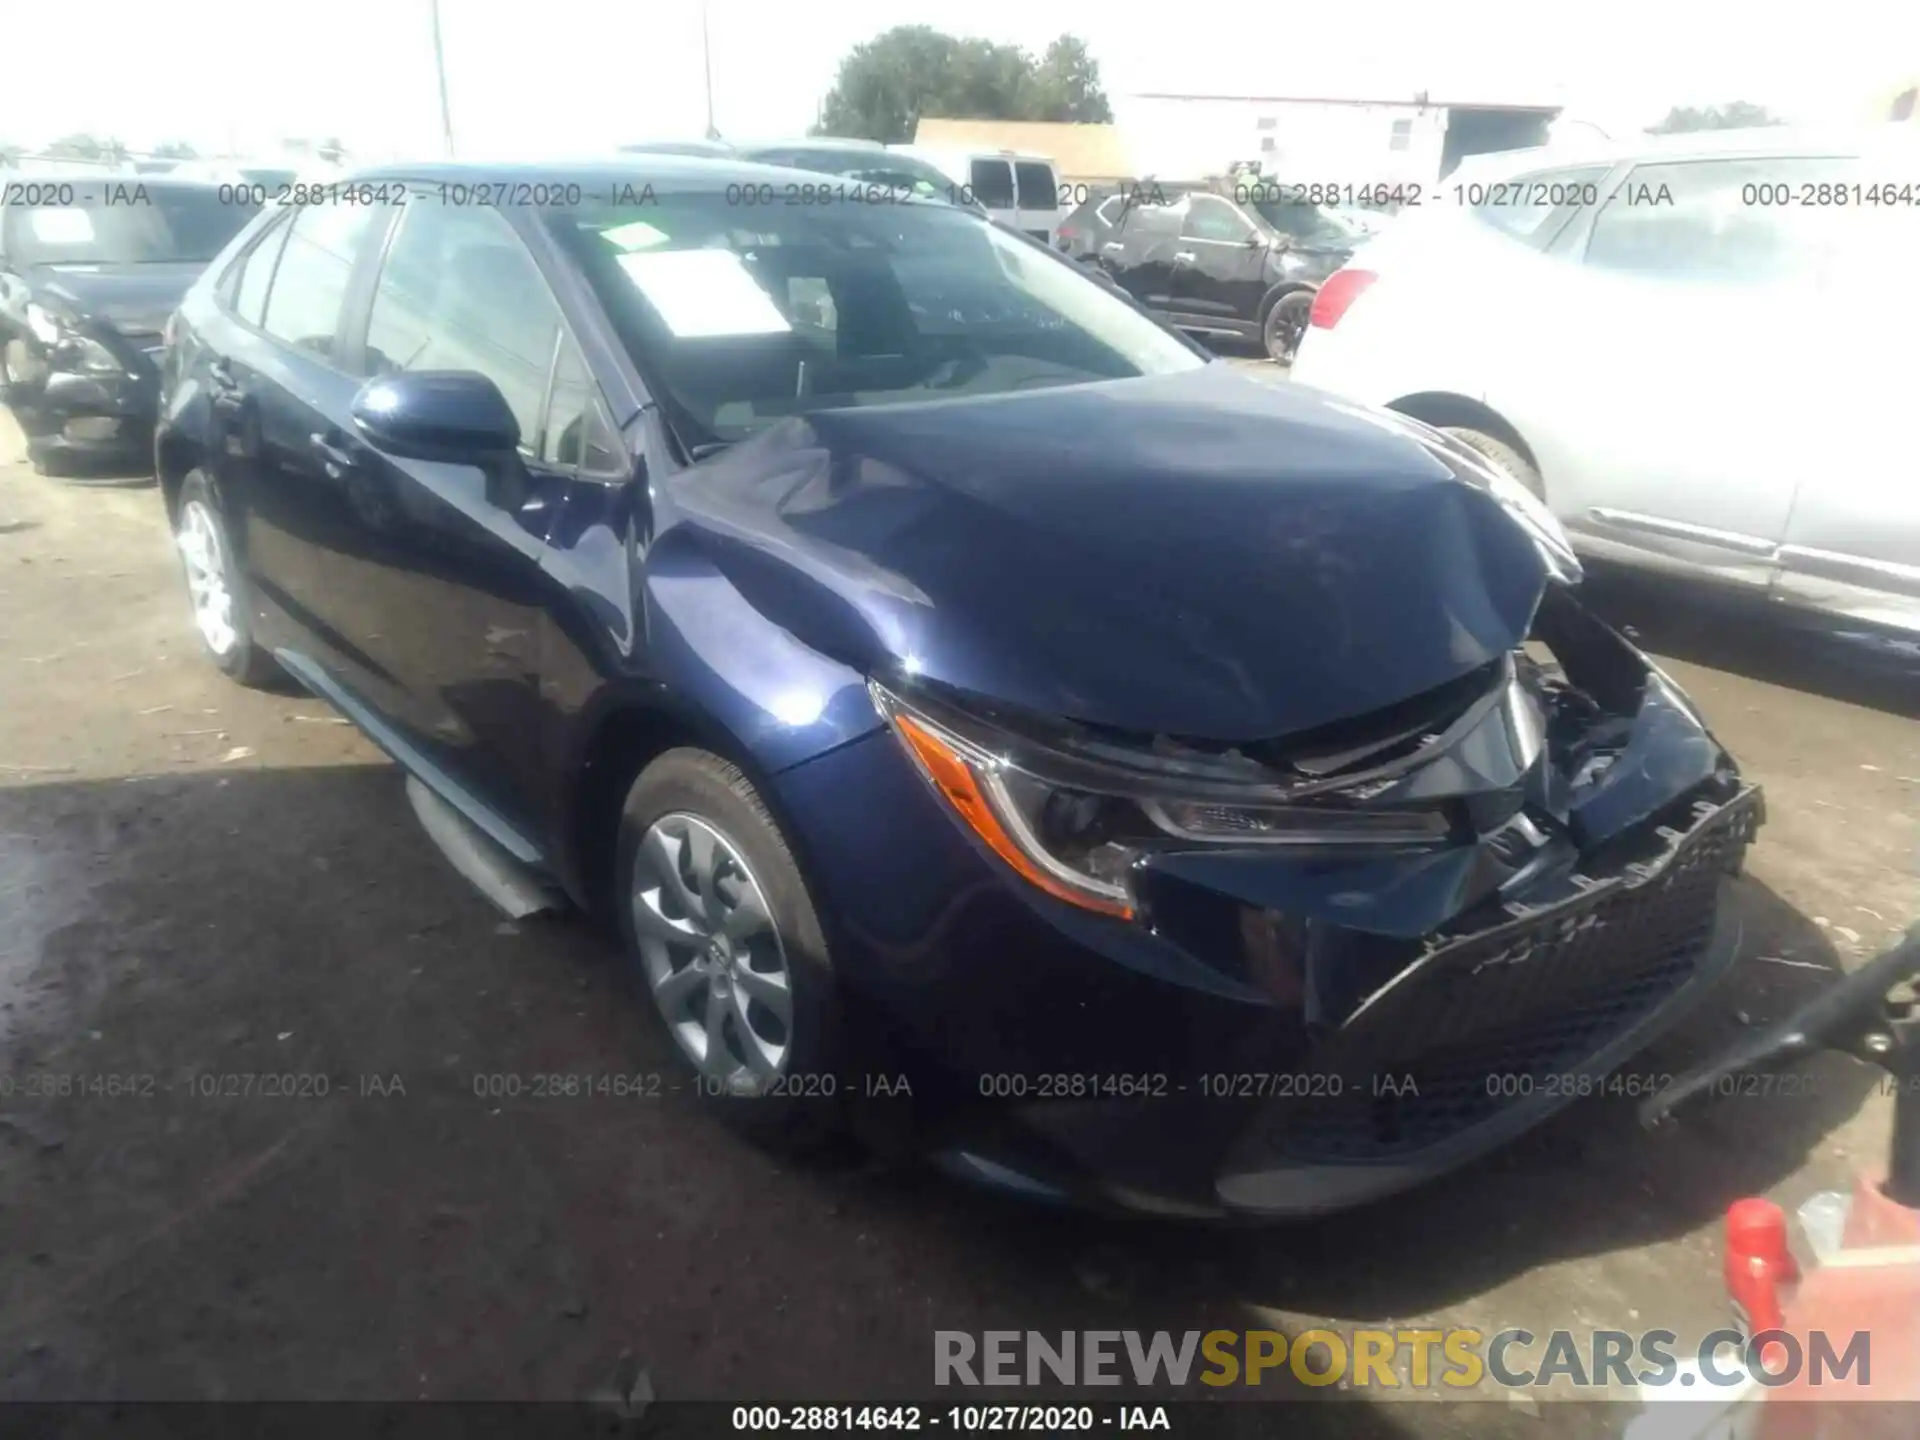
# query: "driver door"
444,581
1219,271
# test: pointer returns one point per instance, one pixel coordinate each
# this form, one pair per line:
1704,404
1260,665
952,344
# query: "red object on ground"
1758,1263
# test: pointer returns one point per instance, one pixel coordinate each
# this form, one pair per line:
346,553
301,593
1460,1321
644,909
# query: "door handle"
1183,257
220,372
1114,245
335,457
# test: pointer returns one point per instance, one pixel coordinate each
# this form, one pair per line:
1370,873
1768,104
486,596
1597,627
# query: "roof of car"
1756,140
88,175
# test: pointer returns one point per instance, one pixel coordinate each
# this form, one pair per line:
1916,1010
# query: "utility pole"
706,57
440,69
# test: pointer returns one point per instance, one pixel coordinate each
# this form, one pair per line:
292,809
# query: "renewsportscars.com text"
1442,1360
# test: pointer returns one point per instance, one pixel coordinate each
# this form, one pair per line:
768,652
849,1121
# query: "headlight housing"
44,324
1075,824
67,348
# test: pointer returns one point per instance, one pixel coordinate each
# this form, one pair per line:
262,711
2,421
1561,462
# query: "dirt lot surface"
199,882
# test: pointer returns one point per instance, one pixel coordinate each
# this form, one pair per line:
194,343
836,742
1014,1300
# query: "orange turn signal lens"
955,777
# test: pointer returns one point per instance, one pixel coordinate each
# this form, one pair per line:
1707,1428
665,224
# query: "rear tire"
724,938
1283,325
1502,455
222,604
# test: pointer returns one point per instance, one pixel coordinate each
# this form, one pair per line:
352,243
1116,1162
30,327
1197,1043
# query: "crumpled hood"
133,299
1201,554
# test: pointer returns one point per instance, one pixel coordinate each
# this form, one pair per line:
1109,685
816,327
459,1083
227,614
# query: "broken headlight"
1075,823
67,348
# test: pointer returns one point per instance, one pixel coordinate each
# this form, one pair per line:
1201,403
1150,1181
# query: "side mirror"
458,416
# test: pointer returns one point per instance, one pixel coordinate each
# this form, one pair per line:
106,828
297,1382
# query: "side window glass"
577,434
1211,218
1533,207
993,183
459,291
1736,222
1038,189
309,285
248,294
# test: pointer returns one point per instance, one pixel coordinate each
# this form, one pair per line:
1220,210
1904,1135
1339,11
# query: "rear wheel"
1286,322
1502,455
221,612
725,937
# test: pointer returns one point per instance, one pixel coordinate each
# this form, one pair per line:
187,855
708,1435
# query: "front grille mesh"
1497,1020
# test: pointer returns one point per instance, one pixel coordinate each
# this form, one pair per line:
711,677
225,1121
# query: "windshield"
740,316
1309,224
131,223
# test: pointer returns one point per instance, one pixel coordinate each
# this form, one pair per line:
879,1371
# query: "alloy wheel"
204,554
712,956
1286,323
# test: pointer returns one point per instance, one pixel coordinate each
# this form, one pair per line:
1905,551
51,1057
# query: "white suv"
1698,349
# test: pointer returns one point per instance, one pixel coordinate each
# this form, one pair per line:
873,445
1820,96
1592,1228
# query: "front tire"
1502,455
222,612
725,938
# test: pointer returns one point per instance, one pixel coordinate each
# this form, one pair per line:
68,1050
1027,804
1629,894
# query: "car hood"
133,299
1201,554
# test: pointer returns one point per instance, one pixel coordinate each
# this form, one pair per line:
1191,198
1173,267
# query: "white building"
1327,141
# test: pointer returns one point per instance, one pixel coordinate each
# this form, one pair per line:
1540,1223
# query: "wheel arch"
631,729
1279,290
175,456
1440,408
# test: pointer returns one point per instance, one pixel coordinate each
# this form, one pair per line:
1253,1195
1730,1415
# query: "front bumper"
88,416
1281,1035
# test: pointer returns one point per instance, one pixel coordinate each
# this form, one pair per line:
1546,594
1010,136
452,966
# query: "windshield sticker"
61,226
635,235
704,293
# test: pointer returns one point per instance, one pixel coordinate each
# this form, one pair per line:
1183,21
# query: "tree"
887,83
76,147
1739,115
174,150
1068,84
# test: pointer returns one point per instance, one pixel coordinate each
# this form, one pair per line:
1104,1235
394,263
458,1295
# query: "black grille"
1507,1016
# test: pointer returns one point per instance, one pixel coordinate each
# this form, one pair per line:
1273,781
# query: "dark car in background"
1238,261
1087,228
91,265
1201,795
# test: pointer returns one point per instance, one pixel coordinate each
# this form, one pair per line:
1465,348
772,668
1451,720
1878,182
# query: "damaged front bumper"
87,414
1283,1032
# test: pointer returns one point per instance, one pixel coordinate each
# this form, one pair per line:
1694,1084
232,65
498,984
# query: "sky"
571,76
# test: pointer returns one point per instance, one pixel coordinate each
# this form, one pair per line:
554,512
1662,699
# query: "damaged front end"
1470,906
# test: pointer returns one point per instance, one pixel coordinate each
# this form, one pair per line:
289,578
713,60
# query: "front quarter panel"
782,701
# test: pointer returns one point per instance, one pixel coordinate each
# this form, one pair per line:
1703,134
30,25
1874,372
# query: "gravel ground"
198,882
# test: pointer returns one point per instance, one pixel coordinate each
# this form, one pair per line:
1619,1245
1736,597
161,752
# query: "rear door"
1037,194
1853,540
990,179
1141,253
1654,358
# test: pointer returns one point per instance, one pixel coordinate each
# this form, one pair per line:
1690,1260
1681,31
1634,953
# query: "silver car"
1699,350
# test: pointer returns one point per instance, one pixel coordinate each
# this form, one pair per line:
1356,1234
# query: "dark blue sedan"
989,720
